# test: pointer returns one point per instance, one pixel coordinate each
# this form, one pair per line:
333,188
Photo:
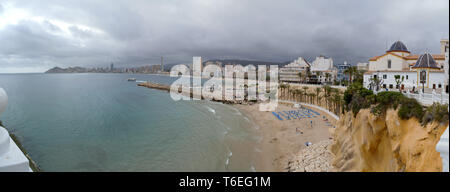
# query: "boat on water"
131,79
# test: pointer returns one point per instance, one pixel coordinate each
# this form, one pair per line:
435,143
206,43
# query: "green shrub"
385,100
436,112
410,108
390,98
356,97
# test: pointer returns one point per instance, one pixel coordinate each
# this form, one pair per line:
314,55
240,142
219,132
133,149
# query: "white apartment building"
323,65
290,72
362,66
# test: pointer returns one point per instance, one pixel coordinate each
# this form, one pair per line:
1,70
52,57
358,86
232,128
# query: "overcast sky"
38,35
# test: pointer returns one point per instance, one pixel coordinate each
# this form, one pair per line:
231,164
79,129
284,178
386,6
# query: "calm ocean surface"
102,122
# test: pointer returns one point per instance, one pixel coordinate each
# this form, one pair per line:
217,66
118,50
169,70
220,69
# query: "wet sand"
283,139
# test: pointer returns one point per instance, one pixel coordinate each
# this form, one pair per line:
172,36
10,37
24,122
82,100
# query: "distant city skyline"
39,35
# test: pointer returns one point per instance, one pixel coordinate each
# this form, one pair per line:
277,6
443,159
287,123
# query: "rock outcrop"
314,158
385,143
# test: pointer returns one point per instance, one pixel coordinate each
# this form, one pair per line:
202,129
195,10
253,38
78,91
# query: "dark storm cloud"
95,33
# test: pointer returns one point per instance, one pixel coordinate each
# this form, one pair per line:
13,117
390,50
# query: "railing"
317,85
429,98
426,98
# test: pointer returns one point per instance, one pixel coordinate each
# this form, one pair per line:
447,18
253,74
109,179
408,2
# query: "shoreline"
283,140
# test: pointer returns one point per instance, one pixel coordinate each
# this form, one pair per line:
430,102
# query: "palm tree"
319,98
308,74
337,103
300,92
300,76
331,94
288,87
318,90
351,71
282,87
327,90
375,83
398,81
327,77
359,75
311,96
305,89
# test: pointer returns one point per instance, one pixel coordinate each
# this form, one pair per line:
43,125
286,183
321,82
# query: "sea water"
102,122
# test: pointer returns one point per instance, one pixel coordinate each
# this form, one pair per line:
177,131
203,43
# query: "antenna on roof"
385,45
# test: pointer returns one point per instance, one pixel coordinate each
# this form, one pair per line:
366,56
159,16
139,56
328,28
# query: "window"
406,77
439,86
374,76
384,76
384,86
389,64
391,86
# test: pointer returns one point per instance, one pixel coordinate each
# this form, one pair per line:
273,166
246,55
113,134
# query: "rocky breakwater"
192,95
367,142
314,158
154,86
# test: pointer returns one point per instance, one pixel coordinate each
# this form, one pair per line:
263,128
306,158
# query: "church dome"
398,46
426,61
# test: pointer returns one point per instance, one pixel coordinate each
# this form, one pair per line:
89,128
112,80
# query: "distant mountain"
167,67
67,70
148,69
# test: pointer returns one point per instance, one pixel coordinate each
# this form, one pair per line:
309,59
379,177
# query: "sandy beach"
283,140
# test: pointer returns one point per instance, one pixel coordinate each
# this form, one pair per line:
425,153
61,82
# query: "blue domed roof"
398,46
426,61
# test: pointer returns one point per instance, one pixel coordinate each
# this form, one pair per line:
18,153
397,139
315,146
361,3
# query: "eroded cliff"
385,143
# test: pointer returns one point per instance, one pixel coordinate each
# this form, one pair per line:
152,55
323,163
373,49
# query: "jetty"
154,86
191,94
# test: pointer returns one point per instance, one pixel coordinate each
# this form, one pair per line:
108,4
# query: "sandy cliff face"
385,143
